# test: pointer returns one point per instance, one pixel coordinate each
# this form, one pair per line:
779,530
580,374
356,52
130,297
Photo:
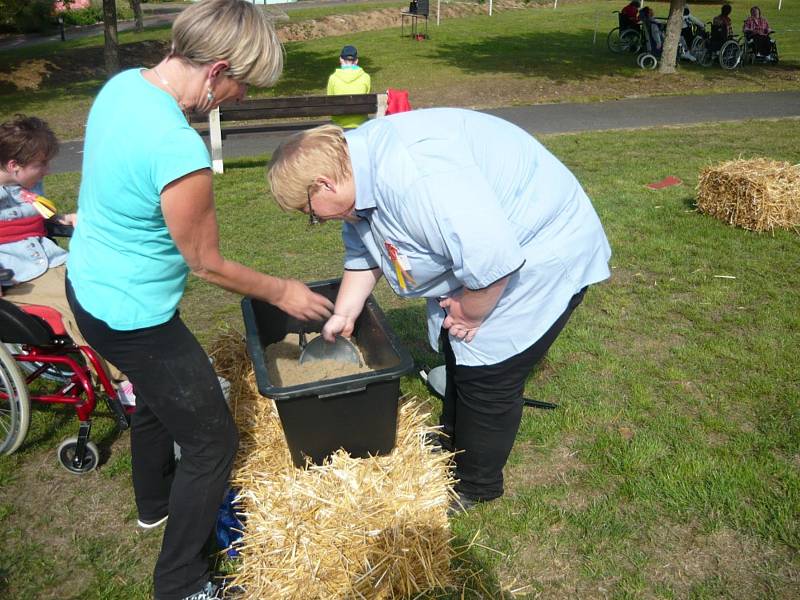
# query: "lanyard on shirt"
45,207
401,266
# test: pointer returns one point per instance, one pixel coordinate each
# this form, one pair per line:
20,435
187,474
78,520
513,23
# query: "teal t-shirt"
123,263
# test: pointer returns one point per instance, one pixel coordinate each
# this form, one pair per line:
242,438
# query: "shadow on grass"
562,57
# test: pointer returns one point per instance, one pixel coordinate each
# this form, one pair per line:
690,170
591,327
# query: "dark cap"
349,52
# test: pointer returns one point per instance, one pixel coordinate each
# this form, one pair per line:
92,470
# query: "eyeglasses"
313,219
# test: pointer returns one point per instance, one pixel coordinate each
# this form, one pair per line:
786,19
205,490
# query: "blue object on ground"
229,527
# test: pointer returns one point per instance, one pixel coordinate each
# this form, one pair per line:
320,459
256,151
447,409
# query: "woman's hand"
467,310
457,323
298,301
338,325
68,219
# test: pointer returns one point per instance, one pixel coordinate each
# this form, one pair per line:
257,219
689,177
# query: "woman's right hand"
338,325
300,302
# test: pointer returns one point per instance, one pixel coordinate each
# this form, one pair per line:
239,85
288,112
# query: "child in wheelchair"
35,263
757,37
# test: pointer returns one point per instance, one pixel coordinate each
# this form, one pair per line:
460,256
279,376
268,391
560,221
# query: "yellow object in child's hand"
45,207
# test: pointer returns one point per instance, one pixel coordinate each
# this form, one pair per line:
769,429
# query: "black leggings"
178,399
482,410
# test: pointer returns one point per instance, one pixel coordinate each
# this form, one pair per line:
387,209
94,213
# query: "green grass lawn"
671,468
524,56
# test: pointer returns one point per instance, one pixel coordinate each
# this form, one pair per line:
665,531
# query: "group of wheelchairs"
706,46
39,362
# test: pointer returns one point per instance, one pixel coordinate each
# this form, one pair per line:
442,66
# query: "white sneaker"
689,56
226,388
125,393
151,524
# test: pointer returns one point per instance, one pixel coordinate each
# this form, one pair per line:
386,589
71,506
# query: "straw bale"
757,194
370,528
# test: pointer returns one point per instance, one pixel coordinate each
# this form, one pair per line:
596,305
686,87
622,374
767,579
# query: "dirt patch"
537,467
681,557
334,25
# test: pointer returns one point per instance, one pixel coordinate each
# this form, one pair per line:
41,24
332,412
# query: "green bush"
83,16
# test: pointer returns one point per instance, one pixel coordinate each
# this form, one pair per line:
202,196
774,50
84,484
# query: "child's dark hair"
25,140
726,9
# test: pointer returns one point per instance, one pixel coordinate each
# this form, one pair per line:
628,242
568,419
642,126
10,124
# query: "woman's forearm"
355,289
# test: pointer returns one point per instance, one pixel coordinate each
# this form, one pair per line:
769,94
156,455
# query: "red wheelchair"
39,362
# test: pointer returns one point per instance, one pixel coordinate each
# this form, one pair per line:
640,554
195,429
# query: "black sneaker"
461,504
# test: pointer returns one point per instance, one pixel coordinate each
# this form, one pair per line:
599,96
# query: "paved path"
560,118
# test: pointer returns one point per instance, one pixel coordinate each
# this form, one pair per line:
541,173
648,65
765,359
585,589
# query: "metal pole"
61,28
438,11
596,22
490,8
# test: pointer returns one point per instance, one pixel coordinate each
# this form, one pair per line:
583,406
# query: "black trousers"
482,410
178,399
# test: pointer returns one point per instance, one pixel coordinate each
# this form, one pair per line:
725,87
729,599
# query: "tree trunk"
136,7
111,49
669,54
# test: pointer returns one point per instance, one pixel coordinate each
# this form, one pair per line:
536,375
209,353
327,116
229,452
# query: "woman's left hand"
68,219
456,322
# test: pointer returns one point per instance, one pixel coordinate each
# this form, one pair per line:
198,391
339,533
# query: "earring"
210,95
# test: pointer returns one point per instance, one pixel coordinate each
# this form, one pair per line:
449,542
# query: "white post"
490,8
438,10
779,4
555,4
596,22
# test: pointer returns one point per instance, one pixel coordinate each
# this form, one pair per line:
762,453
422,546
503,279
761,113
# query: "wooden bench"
269,109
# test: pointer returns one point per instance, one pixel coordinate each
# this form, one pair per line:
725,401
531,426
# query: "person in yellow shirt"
349,78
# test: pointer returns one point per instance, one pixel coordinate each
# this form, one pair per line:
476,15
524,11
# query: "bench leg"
215,132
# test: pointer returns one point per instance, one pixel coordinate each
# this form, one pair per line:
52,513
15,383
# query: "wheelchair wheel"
15,404
648,62
697,43
58,373
66,456
631,41
730,55
614,41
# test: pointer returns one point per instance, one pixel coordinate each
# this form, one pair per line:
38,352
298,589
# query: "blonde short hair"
302,158
231,30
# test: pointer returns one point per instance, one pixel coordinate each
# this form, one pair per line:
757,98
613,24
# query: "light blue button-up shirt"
463,199
31,257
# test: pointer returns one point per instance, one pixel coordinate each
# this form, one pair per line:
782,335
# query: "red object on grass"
666,182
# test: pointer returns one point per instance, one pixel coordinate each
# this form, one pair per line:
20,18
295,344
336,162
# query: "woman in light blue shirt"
472,213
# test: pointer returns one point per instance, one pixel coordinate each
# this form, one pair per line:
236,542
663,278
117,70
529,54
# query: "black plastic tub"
356,412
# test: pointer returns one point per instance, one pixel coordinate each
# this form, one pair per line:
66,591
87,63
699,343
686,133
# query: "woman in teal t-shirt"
147,218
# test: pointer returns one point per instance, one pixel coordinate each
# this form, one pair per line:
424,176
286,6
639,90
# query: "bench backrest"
295,106
265,109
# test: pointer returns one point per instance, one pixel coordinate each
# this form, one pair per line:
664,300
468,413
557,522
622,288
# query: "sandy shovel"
341,350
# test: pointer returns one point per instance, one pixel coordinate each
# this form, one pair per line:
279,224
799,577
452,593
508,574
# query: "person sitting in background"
653,30
723,21
629,15
692,27
27,144
756,28
349,78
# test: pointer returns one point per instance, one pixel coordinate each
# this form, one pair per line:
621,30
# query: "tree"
111,48
136,7
669,53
